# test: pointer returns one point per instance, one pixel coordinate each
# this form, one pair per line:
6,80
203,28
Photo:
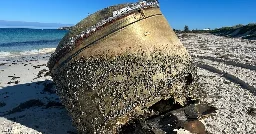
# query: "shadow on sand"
35,105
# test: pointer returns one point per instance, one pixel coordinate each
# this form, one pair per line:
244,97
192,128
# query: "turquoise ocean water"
18,41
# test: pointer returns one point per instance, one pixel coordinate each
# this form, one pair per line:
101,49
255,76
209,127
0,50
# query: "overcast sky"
197,14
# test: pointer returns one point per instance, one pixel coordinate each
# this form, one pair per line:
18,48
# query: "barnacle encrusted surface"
107,92
123,69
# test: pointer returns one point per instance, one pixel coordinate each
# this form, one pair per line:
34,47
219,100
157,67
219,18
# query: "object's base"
166,122
103,93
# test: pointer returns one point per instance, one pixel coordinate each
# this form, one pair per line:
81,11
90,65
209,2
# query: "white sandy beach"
227,71
26,106
227,74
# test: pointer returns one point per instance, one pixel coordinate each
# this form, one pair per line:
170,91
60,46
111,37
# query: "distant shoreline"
31,28
34,25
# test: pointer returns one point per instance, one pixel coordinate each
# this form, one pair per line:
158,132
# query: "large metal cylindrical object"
121,69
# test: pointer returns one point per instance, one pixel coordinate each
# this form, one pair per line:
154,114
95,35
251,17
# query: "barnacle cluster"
103,94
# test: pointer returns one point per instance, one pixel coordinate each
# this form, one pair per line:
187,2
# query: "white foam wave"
24,53
5,54
38,51
47,50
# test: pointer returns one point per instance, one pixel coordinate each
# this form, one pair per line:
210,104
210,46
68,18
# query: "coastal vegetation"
243,31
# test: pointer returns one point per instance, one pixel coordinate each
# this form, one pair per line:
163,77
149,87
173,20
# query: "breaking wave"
4,54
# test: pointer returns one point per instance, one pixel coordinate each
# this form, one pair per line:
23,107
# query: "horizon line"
26,24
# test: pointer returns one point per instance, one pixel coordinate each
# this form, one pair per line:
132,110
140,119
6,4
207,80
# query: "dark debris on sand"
42,73
252,112
26,105
2,104
54,104
49,87
2,64
176,117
